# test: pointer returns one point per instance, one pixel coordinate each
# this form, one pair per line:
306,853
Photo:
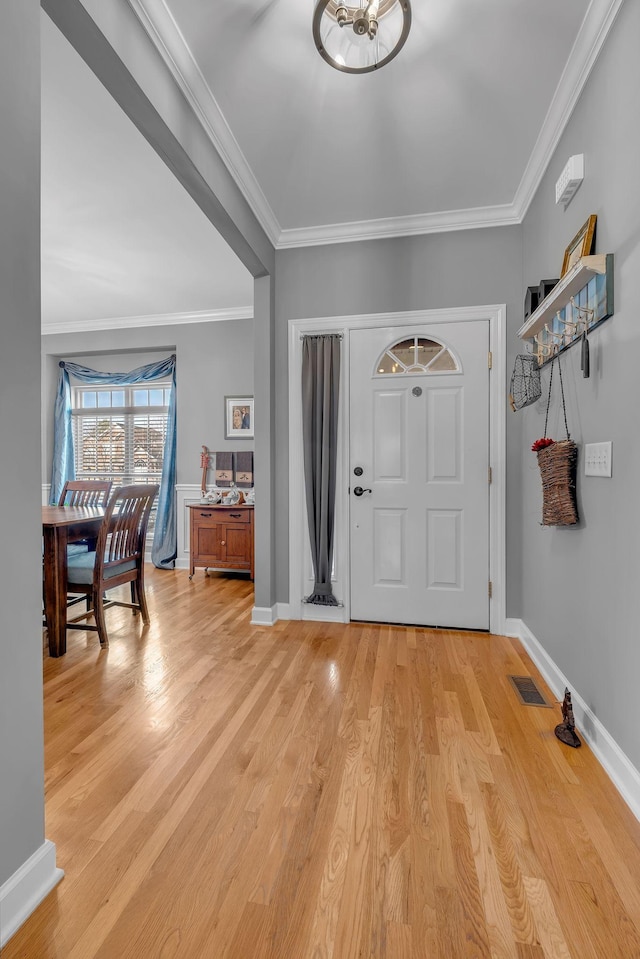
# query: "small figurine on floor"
566,730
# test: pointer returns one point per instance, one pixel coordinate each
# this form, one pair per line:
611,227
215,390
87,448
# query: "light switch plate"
597,459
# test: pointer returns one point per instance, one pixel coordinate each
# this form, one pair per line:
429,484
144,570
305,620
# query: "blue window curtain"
165,542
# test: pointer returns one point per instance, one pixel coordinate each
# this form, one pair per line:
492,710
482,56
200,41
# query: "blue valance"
165,548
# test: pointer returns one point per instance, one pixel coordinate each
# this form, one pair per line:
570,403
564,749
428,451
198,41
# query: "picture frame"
238,418
581,245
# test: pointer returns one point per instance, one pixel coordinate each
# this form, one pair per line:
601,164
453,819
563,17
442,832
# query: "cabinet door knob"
222,543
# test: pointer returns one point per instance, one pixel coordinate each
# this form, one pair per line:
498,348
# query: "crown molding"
152,319
167,38
593,32
415,225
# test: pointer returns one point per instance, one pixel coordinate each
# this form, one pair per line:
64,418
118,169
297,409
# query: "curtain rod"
303,336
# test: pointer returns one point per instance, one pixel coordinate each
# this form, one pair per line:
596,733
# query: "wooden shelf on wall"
570,284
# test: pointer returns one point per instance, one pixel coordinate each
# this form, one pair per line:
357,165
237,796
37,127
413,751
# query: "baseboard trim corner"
264,616
23,892
623,774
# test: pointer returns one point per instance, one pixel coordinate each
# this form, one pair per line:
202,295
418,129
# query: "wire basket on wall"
525,387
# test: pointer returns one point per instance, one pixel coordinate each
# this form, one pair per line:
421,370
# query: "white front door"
419,530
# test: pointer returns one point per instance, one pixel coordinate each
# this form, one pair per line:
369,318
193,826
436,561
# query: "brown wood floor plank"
218,790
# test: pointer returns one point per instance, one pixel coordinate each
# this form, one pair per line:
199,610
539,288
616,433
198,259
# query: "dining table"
62,525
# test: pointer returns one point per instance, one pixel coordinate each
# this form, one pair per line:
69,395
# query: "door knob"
358,491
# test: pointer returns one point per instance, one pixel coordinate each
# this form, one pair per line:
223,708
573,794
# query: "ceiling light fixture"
358,39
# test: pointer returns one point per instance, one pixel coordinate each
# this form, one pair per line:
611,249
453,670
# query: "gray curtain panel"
320,396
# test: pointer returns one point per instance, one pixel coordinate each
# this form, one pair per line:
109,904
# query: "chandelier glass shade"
360,38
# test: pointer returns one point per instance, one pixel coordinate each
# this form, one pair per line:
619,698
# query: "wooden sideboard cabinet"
221,537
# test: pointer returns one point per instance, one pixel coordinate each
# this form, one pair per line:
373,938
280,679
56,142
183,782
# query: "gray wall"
112,41
212,360
21,736
467,268
264,469
581,590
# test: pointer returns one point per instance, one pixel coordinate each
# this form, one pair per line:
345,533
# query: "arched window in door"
417,354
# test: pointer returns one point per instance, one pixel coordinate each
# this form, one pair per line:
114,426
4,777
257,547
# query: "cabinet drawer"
208,516
235,516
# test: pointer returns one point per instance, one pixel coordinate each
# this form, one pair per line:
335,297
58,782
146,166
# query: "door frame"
299,555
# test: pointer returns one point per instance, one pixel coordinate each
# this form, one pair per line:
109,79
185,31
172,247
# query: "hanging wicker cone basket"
558,464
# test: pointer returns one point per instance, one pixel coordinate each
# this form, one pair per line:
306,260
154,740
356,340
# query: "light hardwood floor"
223,791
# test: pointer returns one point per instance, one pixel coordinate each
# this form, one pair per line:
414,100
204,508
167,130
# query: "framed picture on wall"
581,245
238,417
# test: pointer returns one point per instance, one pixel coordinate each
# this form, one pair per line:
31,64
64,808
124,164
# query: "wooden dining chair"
84,493
117,559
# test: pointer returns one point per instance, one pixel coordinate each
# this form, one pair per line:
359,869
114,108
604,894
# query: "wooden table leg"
55,588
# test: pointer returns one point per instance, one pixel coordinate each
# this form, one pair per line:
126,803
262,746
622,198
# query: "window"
119,433
416,355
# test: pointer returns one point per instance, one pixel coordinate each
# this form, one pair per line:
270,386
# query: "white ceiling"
449,124
455,132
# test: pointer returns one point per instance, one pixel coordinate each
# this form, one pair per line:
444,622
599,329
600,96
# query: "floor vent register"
528,691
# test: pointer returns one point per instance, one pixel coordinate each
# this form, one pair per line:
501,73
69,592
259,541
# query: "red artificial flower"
542,443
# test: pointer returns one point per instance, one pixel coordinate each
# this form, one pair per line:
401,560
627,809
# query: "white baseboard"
269,615
264,616
26,889
312,613
617,765
323,614
309,612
